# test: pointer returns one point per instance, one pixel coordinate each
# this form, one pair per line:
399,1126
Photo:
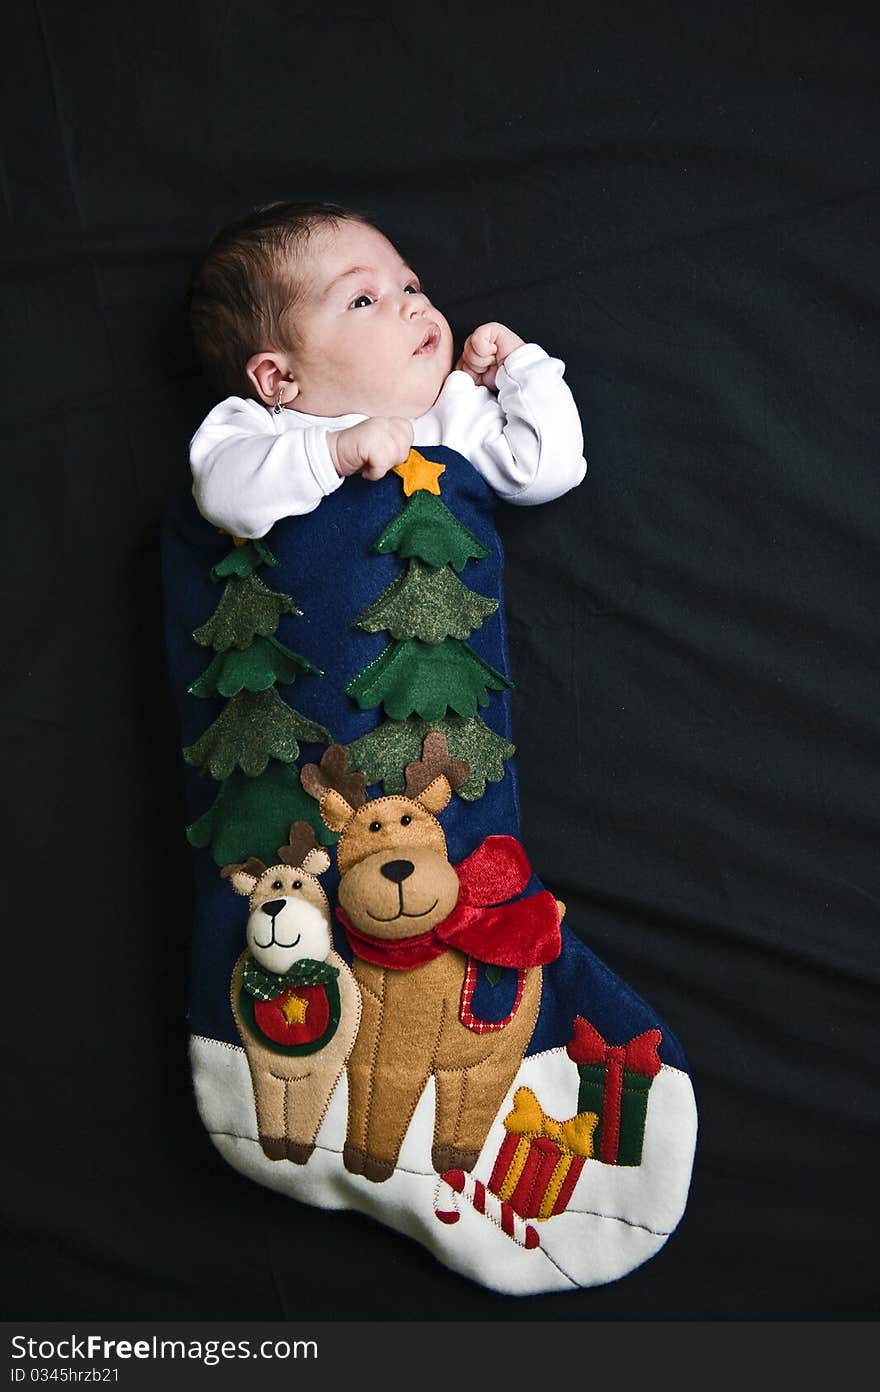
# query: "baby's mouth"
429,342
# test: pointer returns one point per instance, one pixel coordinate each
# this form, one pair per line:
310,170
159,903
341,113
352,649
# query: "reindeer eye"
277,884
405,821
297,884
375,826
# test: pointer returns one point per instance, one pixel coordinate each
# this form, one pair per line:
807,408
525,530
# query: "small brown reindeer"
417,926
295,1001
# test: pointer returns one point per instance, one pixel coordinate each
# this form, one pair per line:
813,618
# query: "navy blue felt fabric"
326,564
494,1000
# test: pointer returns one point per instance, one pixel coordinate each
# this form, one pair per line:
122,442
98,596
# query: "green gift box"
614,1082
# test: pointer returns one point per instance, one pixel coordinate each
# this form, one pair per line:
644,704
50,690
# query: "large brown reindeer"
294,999
417,927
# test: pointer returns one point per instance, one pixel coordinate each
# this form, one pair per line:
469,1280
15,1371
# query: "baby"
480,1016
336,361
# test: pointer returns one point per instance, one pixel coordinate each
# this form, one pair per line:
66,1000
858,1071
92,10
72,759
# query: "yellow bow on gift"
528,1118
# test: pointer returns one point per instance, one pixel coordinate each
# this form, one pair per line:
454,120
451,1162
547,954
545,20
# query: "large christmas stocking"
388,1010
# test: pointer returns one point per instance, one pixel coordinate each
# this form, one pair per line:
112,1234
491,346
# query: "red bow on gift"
640,1055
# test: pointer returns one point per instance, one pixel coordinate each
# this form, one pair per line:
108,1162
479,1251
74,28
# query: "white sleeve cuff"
520,358
320,463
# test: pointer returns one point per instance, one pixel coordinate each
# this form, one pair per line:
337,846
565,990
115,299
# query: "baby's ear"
270,373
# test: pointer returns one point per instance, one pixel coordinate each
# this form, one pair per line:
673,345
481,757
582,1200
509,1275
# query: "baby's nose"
413,306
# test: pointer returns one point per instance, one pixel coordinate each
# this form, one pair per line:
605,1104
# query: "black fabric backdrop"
680,202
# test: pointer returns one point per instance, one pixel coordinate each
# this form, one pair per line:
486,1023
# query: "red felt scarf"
520,934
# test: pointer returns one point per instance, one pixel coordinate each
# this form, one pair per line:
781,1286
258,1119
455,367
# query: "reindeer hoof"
274,1147
378,1170
445,1158
300,1151
358,1162
353,1159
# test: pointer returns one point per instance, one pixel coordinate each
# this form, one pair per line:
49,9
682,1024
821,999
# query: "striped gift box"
540,1159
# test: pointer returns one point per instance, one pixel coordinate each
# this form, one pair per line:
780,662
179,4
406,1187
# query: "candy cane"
455,1183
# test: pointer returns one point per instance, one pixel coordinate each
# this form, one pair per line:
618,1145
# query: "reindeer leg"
391,1063
476,1074
390,1116
447,1153
270,1101
309,1091
360,1067
468,1101
304,1110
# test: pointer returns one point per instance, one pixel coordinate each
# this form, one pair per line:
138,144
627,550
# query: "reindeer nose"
397,870
273,907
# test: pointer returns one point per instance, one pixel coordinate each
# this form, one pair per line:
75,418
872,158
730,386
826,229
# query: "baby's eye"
412,289
361,302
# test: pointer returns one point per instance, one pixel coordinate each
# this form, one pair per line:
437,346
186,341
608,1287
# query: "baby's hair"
243,289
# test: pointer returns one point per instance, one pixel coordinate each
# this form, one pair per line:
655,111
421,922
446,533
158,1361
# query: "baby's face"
371,342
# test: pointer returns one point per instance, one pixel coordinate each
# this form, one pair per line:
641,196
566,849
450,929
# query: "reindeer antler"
332,772
434,761
251,866
300,841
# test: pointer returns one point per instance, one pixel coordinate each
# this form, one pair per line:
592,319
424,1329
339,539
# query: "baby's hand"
372,447
485,351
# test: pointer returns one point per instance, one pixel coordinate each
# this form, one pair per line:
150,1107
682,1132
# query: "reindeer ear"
335,811
241,877
437,794
317,861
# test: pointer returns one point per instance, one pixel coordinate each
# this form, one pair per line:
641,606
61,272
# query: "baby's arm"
527,441
250,469
485,350
371,447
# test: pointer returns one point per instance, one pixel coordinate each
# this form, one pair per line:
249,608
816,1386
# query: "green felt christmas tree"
428,677
252,746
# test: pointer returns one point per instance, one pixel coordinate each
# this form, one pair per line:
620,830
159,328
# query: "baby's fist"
372,447
485,351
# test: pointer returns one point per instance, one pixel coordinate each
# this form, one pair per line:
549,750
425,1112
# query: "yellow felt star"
294,1009
418,472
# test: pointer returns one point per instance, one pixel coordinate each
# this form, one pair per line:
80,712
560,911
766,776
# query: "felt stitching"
305,1049
247,607
249,816
285,1107
426,603
431,1174
603,1067
380,802
431,1070
426,528
243,559
364,1127
419,611
411,677
462,1185
566,1173
466,1015
253,728
222,1043
418,472
517,1165
382,753
256,731
344,1067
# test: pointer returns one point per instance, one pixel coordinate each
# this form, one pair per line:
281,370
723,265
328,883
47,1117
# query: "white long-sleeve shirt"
252,467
